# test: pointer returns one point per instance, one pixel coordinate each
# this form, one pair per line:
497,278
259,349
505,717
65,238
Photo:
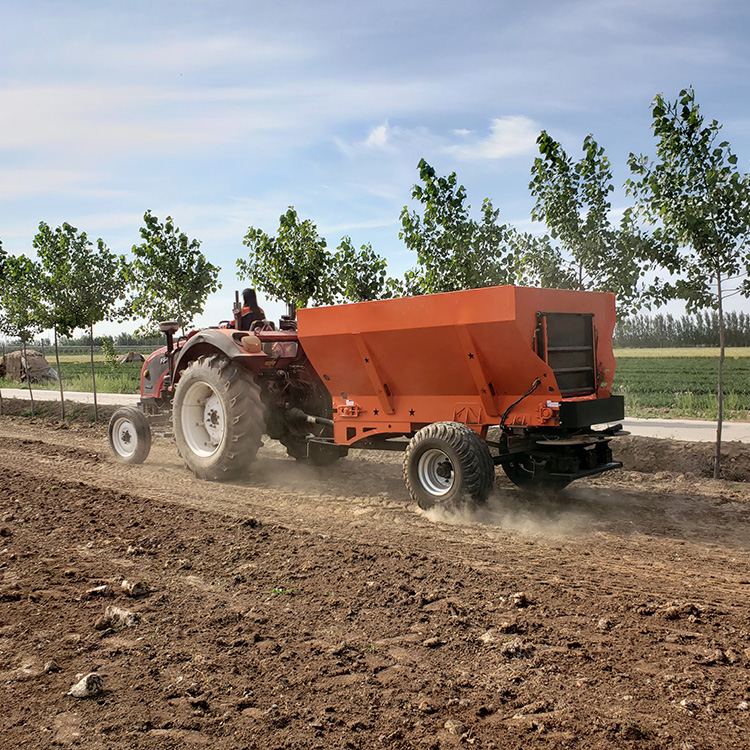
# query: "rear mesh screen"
566,342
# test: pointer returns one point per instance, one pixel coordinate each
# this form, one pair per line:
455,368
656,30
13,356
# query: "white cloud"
378,137
509,136
115,119
391,138
92,120
353,225
18,183
195,53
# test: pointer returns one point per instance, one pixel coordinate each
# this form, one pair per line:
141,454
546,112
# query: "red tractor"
426,375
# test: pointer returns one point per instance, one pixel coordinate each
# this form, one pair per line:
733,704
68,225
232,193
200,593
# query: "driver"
251,312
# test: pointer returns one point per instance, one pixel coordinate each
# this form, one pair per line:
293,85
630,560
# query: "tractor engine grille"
565,341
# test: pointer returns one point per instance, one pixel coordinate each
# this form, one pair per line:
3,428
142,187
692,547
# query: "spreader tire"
129,435
449,465
218,418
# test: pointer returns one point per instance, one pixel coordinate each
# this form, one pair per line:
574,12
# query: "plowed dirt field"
320,608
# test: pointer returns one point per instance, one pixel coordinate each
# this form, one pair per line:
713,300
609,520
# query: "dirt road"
309,607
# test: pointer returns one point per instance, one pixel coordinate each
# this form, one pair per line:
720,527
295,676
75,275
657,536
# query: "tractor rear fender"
213,341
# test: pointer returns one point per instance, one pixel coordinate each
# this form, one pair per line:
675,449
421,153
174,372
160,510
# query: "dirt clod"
520,599
115,617
455,727
134,588
88,686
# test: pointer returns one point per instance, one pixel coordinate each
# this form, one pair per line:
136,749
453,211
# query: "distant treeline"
701,329
121,341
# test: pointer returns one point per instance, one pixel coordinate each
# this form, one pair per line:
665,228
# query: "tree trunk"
720,389
25,363
93,372
59,378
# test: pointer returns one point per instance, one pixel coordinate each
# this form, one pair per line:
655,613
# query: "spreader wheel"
129,435
218,418
449,465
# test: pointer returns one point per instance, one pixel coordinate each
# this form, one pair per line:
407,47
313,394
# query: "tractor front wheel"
129,435
218,418
447,464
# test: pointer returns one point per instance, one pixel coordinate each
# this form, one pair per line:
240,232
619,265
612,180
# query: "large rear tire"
129,435
447,464
218,418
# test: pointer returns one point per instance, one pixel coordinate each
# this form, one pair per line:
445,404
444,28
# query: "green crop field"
682,383
731,352
677,383
76,375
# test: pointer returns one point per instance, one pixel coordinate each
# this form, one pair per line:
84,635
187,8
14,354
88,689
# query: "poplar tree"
698,203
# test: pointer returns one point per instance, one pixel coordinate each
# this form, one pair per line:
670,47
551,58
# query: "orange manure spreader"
425,375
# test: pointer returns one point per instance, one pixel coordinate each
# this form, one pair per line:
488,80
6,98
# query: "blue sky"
222,114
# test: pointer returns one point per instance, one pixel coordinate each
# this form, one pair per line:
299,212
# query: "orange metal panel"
461,355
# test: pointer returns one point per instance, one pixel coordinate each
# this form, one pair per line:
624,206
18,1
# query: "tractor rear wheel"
129,435
218,418
447,464
529,474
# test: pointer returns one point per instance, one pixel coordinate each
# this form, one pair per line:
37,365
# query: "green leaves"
572,199
170,275
80,283
454,251
359,275
20,298
294,266
696,199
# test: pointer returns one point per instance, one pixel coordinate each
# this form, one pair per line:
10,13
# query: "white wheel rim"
203,419
433,464
124,437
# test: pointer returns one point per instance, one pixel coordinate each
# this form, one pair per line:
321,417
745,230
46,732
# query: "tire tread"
477,466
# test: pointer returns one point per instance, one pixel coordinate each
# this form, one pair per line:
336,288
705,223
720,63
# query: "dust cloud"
565,514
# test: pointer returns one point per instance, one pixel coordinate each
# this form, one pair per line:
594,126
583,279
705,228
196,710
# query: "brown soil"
319,608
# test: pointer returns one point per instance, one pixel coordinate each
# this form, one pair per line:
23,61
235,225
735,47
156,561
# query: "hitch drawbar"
297,415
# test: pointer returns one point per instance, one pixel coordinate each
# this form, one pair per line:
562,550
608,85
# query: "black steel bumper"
589,472
576,414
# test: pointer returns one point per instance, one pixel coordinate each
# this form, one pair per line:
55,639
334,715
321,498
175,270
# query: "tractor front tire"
218,418
129,435
448,465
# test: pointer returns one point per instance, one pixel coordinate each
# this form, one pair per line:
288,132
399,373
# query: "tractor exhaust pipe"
169,328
